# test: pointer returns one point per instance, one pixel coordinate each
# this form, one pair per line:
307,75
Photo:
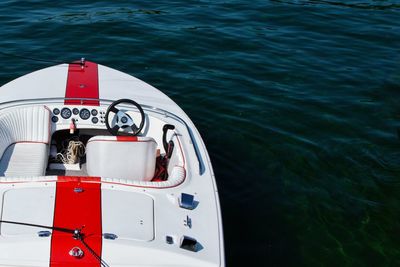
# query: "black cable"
60,229
76,234
102,262
39,60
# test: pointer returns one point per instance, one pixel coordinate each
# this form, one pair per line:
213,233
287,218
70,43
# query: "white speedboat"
99,168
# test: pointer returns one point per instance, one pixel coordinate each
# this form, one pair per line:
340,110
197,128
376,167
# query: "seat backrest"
121,157
24,124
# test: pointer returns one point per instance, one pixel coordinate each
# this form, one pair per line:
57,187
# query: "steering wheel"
123,119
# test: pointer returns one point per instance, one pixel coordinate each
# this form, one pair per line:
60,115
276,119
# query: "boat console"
84,115
42,140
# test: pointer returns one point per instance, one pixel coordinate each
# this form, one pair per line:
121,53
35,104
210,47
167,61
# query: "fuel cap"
76,252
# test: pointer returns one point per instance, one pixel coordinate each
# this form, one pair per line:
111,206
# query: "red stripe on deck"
76,210
126,138
82,83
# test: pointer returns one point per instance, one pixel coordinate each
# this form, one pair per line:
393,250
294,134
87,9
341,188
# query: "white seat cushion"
24,159
24,139
132,158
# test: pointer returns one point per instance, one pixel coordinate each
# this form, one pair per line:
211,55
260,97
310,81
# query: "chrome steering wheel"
122,119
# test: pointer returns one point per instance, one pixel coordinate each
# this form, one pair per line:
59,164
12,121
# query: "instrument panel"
83,114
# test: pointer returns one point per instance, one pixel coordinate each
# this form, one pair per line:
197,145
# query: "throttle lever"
166,127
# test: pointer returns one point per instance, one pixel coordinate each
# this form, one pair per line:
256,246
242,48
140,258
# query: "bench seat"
24,141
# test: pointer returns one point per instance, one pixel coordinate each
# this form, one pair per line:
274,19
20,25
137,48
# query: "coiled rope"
74,151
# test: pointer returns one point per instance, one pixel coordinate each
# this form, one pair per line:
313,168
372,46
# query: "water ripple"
119,14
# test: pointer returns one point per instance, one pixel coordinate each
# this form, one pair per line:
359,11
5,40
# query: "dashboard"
80,114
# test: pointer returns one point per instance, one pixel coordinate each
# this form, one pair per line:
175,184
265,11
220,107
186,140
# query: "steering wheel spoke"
134,128
114,130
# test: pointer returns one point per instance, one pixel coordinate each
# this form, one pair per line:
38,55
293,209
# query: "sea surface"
298,103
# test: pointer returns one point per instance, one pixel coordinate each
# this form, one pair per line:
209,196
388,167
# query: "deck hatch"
128,215
27,205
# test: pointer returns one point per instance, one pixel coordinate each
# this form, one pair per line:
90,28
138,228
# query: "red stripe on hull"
82,83
75,211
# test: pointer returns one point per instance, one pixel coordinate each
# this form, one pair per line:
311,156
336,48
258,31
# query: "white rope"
72,154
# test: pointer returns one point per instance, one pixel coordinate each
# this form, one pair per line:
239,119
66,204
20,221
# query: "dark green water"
297,101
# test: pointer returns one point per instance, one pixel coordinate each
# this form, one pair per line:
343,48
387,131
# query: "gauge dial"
75,111
84,114
66,113
94,112
56,111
